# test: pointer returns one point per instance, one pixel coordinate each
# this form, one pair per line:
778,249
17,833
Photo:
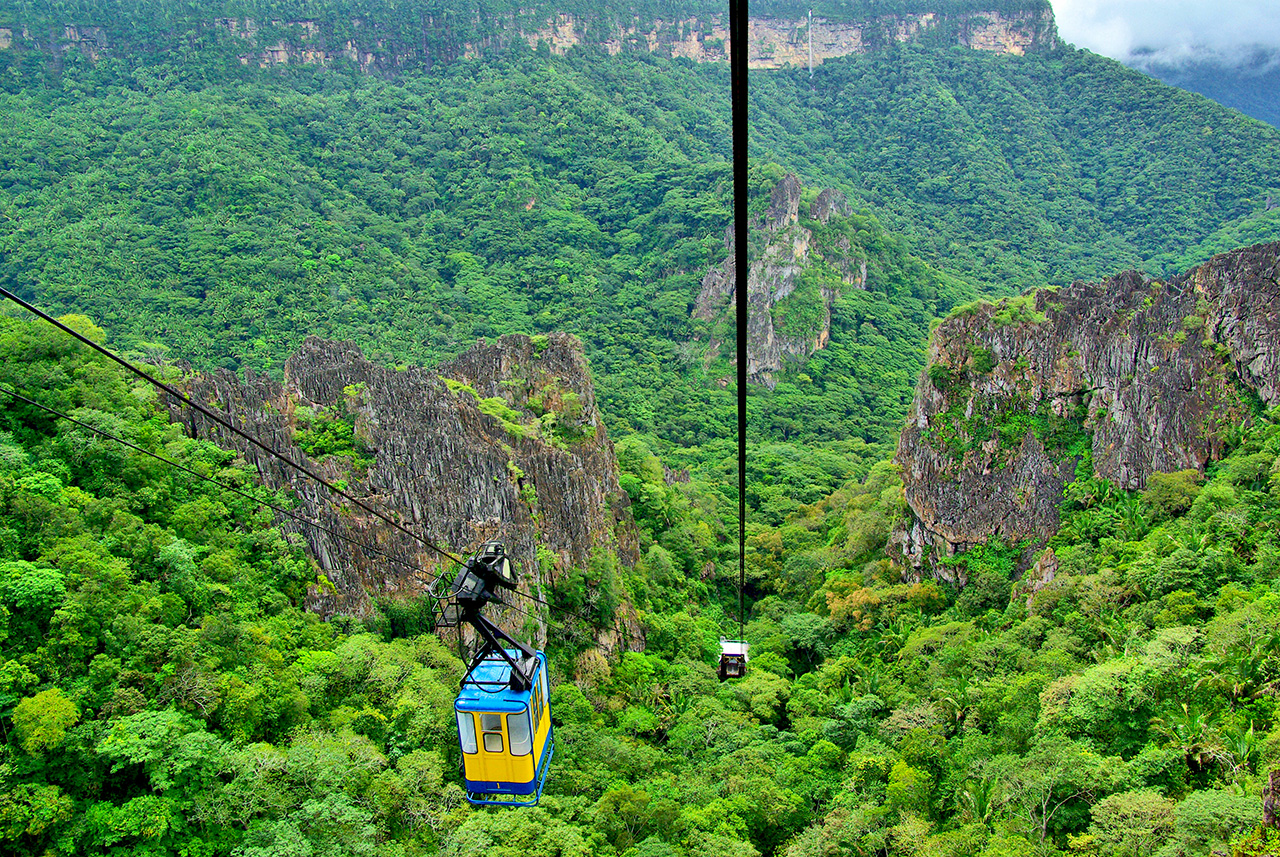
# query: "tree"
1060,777
1130,824
40,722
29,812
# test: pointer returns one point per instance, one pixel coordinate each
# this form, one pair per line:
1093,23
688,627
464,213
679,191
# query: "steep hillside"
838,315
226,210
1027,171
1248,84
1118,380
789,309
505,442
229,220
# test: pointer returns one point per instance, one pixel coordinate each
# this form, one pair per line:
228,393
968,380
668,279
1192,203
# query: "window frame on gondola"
537,702
520,720
497,732
467,732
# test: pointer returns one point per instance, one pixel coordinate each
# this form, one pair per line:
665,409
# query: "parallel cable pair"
219,419
738,76
227,424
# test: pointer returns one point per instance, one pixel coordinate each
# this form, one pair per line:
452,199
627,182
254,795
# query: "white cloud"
1171,30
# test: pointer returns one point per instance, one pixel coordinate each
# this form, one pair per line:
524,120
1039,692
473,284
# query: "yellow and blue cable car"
506,735
504,719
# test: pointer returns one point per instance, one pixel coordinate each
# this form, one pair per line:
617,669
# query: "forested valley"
163,691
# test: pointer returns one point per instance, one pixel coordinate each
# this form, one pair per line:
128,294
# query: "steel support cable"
224,422
617,626
280,509
531,615
551,606
738,77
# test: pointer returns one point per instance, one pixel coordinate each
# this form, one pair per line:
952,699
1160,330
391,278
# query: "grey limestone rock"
787,250
542,476
1149,376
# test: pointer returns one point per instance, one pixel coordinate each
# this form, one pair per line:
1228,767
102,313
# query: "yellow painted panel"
499,766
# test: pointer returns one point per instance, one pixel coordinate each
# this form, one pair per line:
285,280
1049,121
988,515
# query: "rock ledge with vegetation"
1119,380
505,442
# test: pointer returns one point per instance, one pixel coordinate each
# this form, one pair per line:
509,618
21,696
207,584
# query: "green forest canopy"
164,693
225,210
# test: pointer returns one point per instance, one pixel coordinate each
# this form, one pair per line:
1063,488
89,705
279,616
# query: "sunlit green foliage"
162,691
161,686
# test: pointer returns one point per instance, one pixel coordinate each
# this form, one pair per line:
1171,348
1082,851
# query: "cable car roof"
487,688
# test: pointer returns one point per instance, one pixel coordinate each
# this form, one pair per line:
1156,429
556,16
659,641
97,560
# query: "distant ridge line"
775,41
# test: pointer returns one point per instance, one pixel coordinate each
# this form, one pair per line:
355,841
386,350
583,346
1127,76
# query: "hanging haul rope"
733,653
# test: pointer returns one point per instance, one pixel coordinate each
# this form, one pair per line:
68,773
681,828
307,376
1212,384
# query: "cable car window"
521,736
491,727
466,731
541,693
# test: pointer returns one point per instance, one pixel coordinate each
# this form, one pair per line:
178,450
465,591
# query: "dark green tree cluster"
229,220
1124,708
162,689
163,692
1023,171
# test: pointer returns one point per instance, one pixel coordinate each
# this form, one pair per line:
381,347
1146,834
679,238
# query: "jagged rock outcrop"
504,442
773,42
791,282
1147,376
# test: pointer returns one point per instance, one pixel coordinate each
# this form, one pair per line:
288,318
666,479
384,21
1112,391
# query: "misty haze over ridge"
1247,79
1228,51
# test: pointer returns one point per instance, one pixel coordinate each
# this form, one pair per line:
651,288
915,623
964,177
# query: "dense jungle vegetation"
162,691
1016,172
222,211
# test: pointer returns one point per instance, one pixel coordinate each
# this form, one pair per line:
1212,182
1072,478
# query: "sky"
1171,30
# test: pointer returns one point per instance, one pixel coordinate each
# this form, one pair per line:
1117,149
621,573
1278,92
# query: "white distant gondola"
733,658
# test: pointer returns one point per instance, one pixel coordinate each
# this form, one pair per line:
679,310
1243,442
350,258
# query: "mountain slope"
1248,84
1112,382
1020,171
227,210
230,220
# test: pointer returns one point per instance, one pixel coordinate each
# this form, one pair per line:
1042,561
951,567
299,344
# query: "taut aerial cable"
733,654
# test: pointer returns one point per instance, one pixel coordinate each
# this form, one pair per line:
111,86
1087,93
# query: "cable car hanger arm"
521,675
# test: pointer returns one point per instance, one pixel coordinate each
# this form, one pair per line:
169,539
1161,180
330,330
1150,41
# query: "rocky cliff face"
776,43
1137,375
791,283
773,42
505,442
